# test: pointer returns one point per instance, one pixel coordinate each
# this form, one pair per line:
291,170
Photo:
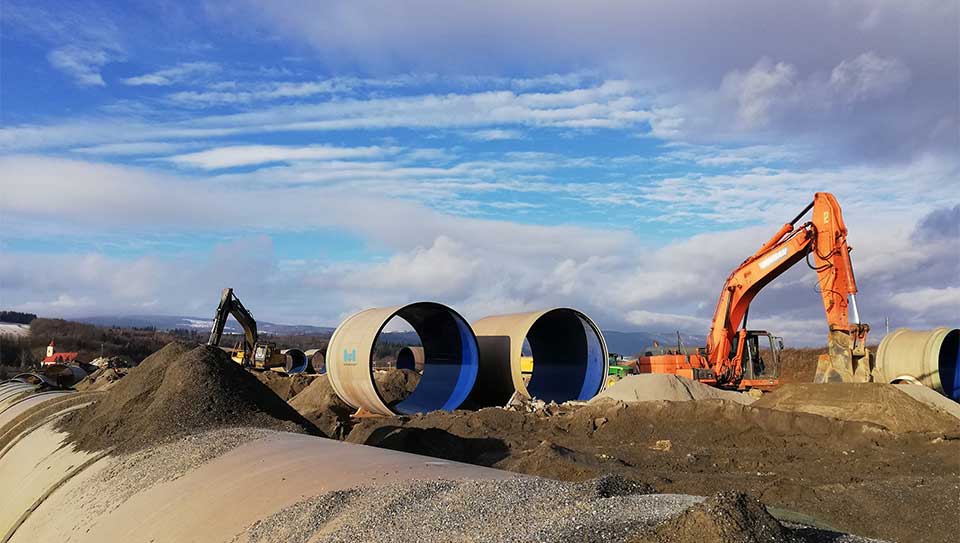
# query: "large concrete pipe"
410,358
926,357
53,492
450,358
296,361
316,361
569,357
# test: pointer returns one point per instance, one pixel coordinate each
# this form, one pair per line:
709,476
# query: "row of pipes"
478,364
471,365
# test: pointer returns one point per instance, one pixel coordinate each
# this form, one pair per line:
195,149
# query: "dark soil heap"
176,391
285,386
395,385
102,379
322,407
728,517
873,403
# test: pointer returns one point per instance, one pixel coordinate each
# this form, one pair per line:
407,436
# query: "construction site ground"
872,459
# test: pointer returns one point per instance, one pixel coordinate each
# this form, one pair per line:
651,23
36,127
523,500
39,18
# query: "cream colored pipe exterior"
348,358
52,492
450,350
915,356
501,340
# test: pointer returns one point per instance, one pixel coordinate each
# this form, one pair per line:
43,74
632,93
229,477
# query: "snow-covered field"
12,329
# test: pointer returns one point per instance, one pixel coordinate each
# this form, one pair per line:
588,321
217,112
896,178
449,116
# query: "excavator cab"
760,358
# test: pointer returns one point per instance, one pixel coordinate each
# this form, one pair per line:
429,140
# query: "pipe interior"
567,357
406,360
296,361
948,364
451,359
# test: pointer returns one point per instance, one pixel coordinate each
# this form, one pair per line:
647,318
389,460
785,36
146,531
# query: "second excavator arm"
823,238
230,305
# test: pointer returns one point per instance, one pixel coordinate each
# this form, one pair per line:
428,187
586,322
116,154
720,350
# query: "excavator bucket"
845,362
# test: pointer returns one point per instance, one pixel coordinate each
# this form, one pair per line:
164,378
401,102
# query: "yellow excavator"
250,351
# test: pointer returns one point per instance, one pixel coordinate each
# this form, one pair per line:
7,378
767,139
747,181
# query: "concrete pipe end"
450,353
569,357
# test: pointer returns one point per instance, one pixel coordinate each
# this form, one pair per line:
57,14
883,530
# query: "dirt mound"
178,391
285,386
665,387
932,398
319,404
884,405
102,379
798,365
395,385
802,462
728,517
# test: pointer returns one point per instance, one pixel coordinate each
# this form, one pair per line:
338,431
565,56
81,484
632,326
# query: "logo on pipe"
350,357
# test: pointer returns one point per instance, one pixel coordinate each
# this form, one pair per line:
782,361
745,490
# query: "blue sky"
327,157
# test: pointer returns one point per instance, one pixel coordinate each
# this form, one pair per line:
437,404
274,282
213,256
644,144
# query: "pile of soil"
843,472
728,517
661,386
875,403
177,391
798,365
319,404
102,379
395,385
285,386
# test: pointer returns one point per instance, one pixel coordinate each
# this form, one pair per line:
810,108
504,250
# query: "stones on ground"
174,392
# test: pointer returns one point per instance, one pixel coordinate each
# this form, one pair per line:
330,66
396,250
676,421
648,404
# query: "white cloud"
603,106
174,74
248,155
229,94
757,90
494,134
136,148
868,76
81,64
927,299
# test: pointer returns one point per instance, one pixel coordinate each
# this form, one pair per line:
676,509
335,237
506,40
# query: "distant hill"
625,343
164,322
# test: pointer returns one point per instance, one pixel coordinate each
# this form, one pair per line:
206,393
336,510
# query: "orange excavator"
736,357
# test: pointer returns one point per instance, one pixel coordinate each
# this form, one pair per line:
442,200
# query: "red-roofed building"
53,357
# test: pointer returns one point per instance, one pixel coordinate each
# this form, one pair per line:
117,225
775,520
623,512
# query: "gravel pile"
177,391
495,511
609,509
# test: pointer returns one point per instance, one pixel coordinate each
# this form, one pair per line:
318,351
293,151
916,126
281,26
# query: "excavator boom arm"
230,305
825,237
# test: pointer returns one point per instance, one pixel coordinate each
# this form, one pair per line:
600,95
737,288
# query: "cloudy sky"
619,157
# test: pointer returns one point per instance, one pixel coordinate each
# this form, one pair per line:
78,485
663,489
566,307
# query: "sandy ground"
848,474
868,459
